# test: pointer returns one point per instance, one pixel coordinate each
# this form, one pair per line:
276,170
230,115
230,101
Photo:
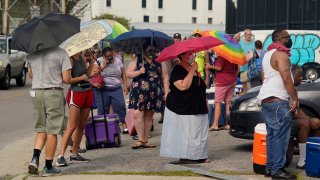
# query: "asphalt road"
16,114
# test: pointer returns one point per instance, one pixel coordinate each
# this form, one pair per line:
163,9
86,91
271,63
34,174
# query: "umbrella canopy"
133,41
91,33
231,50
117,29
44,32
193,45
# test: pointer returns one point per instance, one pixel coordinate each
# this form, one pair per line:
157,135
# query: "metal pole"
5,17
63,6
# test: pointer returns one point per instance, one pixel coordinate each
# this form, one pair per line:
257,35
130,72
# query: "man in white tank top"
274,95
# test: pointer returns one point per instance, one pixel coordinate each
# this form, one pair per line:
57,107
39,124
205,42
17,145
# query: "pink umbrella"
193,45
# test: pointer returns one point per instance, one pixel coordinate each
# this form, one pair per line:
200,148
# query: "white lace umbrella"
91,32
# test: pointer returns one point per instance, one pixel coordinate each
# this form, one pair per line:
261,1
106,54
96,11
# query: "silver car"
12,64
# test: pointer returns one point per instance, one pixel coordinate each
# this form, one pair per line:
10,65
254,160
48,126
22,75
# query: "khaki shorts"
48,108
244,76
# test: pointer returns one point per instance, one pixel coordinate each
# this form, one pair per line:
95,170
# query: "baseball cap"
176,36
196,32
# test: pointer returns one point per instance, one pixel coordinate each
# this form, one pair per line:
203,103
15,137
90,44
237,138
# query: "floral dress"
146,89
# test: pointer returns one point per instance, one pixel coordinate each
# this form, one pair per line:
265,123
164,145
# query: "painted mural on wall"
305,48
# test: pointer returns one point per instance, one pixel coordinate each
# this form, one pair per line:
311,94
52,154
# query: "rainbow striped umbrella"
231,50
117,29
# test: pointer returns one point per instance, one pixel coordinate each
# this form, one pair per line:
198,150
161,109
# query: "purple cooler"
103,134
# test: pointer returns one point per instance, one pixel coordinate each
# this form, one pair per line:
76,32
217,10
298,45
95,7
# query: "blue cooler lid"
313,140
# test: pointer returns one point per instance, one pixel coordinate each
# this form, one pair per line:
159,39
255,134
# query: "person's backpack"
253,71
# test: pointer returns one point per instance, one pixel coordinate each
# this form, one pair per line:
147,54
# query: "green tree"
122,20
70,4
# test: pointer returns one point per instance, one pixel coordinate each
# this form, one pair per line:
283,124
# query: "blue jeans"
278,122
112,96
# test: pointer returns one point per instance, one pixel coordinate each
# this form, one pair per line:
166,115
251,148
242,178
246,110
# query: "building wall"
173,11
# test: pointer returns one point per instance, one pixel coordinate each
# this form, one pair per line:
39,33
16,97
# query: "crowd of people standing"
176,88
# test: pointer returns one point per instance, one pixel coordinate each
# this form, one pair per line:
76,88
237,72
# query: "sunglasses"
286,37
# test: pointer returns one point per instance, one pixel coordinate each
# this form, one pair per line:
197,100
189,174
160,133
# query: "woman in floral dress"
147,94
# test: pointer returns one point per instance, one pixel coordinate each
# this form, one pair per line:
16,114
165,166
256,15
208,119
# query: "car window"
3,47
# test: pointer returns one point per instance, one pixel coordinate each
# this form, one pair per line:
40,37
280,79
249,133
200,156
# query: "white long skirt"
184,136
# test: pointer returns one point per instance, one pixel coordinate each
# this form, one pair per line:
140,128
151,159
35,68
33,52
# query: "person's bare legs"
315,126
78,133
40,140
138,117
148,121
217,114
74,115
51,146
228,104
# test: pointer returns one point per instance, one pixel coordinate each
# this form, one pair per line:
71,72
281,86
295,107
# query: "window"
145,18
210,5
194,20
144,3
108,3
160,19
209,20
194,4
160,4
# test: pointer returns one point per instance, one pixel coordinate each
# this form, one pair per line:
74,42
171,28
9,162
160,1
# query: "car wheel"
308,112
21,80
5,82
311,73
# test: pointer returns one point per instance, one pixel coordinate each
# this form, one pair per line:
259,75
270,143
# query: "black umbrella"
44,32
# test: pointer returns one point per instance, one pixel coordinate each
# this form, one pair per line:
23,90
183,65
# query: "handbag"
98,78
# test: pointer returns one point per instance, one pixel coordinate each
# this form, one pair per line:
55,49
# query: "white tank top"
272,84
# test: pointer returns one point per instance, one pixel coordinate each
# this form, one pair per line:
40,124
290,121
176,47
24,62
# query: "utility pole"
63,6
5,26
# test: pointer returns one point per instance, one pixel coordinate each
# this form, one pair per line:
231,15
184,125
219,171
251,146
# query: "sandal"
138,144
147,145
214,129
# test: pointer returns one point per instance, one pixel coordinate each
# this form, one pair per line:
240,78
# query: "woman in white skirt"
185,127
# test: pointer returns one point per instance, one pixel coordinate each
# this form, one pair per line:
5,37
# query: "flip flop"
214,129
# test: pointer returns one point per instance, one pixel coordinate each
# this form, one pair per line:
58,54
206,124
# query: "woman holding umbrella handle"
146,95
185,125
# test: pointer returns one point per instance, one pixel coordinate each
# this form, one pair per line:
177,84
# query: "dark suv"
246,112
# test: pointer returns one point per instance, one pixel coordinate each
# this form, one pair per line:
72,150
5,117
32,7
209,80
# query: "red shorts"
224,94
80,99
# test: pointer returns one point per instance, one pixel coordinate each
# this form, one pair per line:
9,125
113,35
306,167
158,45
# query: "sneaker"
33,166
51,172
61,162
78,158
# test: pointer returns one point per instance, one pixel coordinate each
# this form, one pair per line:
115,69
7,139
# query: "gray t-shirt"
47,67
112,73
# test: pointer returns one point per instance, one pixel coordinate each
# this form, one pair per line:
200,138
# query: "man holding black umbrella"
48,69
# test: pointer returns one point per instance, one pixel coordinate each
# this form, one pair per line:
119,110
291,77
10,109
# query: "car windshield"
3,46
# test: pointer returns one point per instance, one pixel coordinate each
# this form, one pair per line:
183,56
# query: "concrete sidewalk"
233,157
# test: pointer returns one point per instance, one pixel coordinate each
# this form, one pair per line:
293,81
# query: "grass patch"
165,173
235,173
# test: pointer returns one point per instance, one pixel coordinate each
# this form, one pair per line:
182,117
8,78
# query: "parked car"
12,64
246,112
